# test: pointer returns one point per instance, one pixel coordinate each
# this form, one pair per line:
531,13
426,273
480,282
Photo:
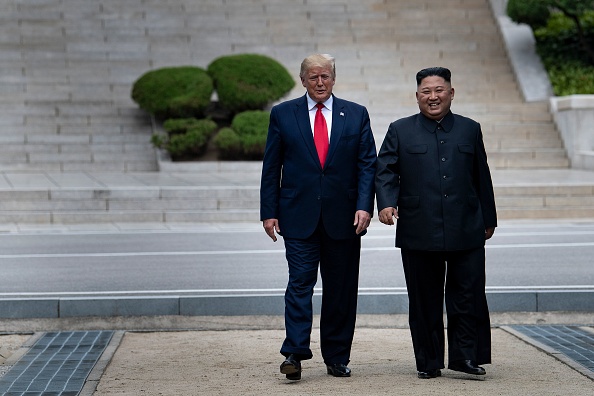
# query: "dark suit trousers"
469,332
338,261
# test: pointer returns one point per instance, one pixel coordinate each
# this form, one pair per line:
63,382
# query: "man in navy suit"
433,176
317,191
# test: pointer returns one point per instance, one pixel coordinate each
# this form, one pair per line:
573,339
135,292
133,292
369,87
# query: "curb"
579,299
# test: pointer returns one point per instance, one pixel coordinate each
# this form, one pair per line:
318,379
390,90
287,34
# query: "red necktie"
321,134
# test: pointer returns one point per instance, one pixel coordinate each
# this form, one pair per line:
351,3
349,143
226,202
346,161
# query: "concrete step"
69,124
561,196
68,68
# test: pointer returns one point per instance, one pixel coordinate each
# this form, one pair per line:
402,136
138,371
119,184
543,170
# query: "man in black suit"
433,177
317,191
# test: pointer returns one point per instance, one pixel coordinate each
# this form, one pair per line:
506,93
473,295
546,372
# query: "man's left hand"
489,232
362,220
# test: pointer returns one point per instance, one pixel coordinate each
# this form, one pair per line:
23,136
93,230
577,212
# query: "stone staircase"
76,149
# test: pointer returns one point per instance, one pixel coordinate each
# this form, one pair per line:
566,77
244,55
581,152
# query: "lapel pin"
342,114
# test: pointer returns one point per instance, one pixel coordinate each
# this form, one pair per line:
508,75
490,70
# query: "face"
434,97
319,83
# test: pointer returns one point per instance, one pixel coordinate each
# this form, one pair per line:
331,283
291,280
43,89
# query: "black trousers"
338,262
461,274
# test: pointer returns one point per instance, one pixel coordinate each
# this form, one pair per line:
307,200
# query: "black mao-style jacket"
437,176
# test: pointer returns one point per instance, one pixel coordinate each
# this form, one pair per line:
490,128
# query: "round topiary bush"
246,138
186,138
249,81
174,92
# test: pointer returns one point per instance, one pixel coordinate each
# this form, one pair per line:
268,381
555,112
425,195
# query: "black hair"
442,72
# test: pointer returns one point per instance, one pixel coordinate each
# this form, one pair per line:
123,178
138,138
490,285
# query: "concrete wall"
574,116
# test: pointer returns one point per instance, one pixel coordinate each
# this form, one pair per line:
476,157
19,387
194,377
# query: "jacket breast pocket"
466,148
416,149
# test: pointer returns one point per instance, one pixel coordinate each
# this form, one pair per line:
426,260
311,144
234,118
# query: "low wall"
574,116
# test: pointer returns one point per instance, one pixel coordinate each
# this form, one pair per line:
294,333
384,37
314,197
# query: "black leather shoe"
429,374
291,367
338,370
468,367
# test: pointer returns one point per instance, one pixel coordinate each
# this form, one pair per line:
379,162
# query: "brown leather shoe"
291,367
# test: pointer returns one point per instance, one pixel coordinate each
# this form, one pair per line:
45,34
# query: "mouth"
433,105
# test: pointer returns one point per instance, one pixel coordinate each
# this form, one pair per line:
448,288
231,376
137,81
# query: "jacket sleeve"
271,170
366,165
387,178
484,184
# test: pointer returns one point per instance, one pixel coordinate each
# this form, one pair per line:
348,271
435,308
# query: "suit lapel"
339,116
302,117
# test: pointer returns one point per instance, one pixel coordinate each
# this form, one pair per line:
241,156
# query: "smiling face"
434,96
318,81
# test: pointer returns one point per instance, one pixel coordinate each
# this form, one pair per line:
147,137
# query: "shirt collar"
312,103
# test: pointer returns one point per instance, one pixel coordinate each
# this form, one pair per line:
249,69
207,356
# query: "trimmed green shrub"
534,13
228,143
186,138
564,33
249,81
174,92
558,45
571,78
246,138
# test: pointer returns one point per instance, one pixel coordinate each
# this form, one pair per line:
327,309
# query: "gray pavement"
231,355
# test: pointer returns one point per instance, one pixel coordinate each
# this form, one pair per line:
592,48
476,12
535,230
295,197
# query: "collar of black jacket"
447,122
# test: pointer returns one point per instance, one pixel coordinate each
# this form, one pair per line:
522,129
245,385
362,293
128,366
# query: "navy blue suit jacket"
294,187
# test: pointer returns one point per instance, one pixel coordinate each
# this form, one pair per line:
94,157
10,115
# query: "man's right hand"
270,226
387,215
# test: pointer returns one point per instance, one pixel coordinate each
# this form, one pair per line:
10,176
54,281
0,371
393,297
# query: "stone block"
232,305
118,306
26,308
566,301
382,304
512,301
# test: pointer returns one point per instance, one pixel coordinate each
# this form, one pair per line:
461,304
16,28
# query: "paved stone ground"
246,362
229,355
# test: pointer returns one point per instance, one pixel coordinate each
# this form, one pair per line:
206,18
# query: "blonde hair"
318,60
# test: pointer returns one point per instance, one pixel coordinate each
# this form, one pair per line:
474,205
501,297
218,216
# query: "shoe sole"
292,372
289,369
438,374
467,372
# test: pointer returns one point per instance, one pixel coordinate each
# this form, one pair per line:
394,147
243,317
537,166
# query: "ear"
452,90
303,82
